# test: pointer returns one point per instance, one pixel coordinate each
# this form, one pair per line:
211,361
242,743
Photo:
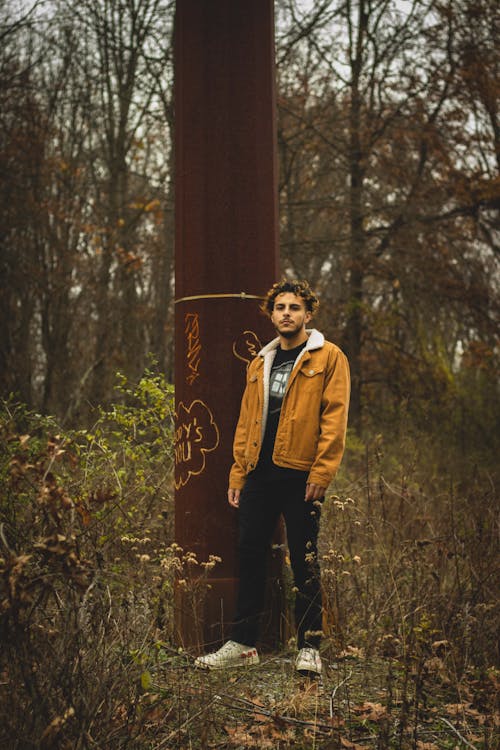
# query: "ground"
358,703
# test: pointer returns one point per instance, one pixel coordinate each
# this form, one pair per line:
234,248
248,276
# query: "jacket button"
254,444
251,465
311,372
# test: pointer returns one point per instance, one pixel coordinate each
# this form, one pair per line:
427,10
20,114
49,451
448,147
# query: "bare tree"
123,114
371,130
95,201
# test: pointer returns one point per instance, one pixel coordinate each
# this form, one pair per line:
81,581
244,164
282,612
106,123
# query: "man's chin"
287,333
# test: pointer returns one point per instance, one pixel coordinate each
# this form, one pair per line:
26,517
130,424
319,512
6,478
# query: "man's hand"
314,492
233,497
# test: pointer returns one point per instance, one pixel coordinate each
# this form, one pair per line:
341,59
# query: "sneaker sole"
232,665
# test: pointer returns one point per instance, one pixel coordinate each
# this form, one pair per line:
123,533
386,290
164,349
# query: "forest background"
389,188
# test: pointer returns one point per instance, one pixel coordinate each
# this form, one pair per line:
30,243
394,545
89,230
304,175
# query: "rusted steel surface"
226,244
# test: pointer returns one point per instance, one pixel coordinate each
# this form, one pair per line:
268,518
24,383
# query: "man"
288,446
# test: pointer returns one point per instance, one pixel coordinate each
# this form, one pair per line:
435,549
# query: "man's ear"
308,316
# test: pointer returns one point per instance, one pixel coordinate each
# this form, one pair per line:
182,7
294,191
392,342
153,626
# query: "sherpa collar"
315,341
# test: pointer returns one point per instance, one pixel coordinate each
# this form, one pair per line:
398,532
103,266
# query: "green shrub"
85,522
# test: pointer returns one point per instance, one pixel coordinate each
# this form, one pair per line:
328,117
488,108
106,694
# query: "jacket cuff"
320,479
236,478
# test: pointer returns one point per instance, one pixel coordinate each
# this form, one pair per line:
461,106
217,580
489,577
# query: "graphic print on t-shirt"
277,384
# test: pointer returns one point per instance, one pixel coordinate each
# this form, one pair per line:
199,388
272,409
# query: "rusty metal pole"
226,257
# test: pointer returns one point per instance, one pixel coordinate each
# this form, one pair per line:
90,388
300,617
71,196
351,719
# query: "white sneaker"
308,662
231,654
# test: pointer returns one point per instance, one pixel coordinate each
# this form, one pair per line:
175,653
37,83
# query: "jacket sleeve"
237,475
333,420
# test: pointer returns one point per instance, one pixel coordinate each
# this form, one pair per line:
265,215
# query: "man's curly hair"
299,288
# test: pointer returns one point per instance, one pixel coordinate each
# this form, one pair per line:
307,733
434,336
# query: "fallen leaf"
352,745
371,711
337,721
239,734
456,709
266,736
351,652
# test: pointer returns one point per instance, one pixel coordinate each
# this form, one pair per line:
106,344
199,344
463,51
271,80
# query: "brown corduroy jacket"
313,420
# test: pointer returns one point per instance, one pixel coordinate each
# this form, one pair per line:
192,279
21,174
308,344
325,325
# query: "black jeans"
261,503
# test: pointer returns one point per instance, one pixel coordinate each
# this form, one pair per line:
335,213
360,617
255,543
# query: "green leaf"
146,680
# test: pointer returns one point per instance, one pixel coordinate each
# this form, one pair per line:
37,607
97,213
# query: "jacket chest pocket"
310,379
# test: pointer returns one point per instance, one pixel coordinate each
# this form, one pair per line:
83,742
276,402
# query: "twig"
460,737
241,704
4,539
334,691
202,710
249,707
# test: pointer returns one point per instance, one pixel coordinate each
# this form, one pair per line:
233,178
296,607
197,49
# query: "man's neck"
297,340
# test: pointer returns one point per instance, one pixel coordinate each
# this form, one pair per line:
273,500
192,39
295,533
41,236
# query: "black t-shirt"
280,372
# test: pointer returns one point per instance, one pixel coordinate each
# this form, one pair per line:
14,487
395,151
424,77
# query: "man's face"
289,315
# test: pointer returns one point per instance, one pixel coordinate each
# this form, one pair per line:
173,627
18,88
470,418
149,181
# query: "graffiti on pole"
193,346
196,434
247,346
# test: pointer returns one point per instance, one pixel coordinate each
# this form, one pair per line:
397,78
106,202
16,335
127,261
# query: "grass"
409,558
358,703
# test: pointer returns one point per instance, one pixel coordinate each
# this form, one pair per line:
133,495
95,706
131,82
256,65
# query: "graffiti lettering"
193,354
246,346
196,434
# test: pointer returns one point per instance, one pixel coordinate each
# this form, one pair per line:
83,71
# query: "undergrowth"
88,562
